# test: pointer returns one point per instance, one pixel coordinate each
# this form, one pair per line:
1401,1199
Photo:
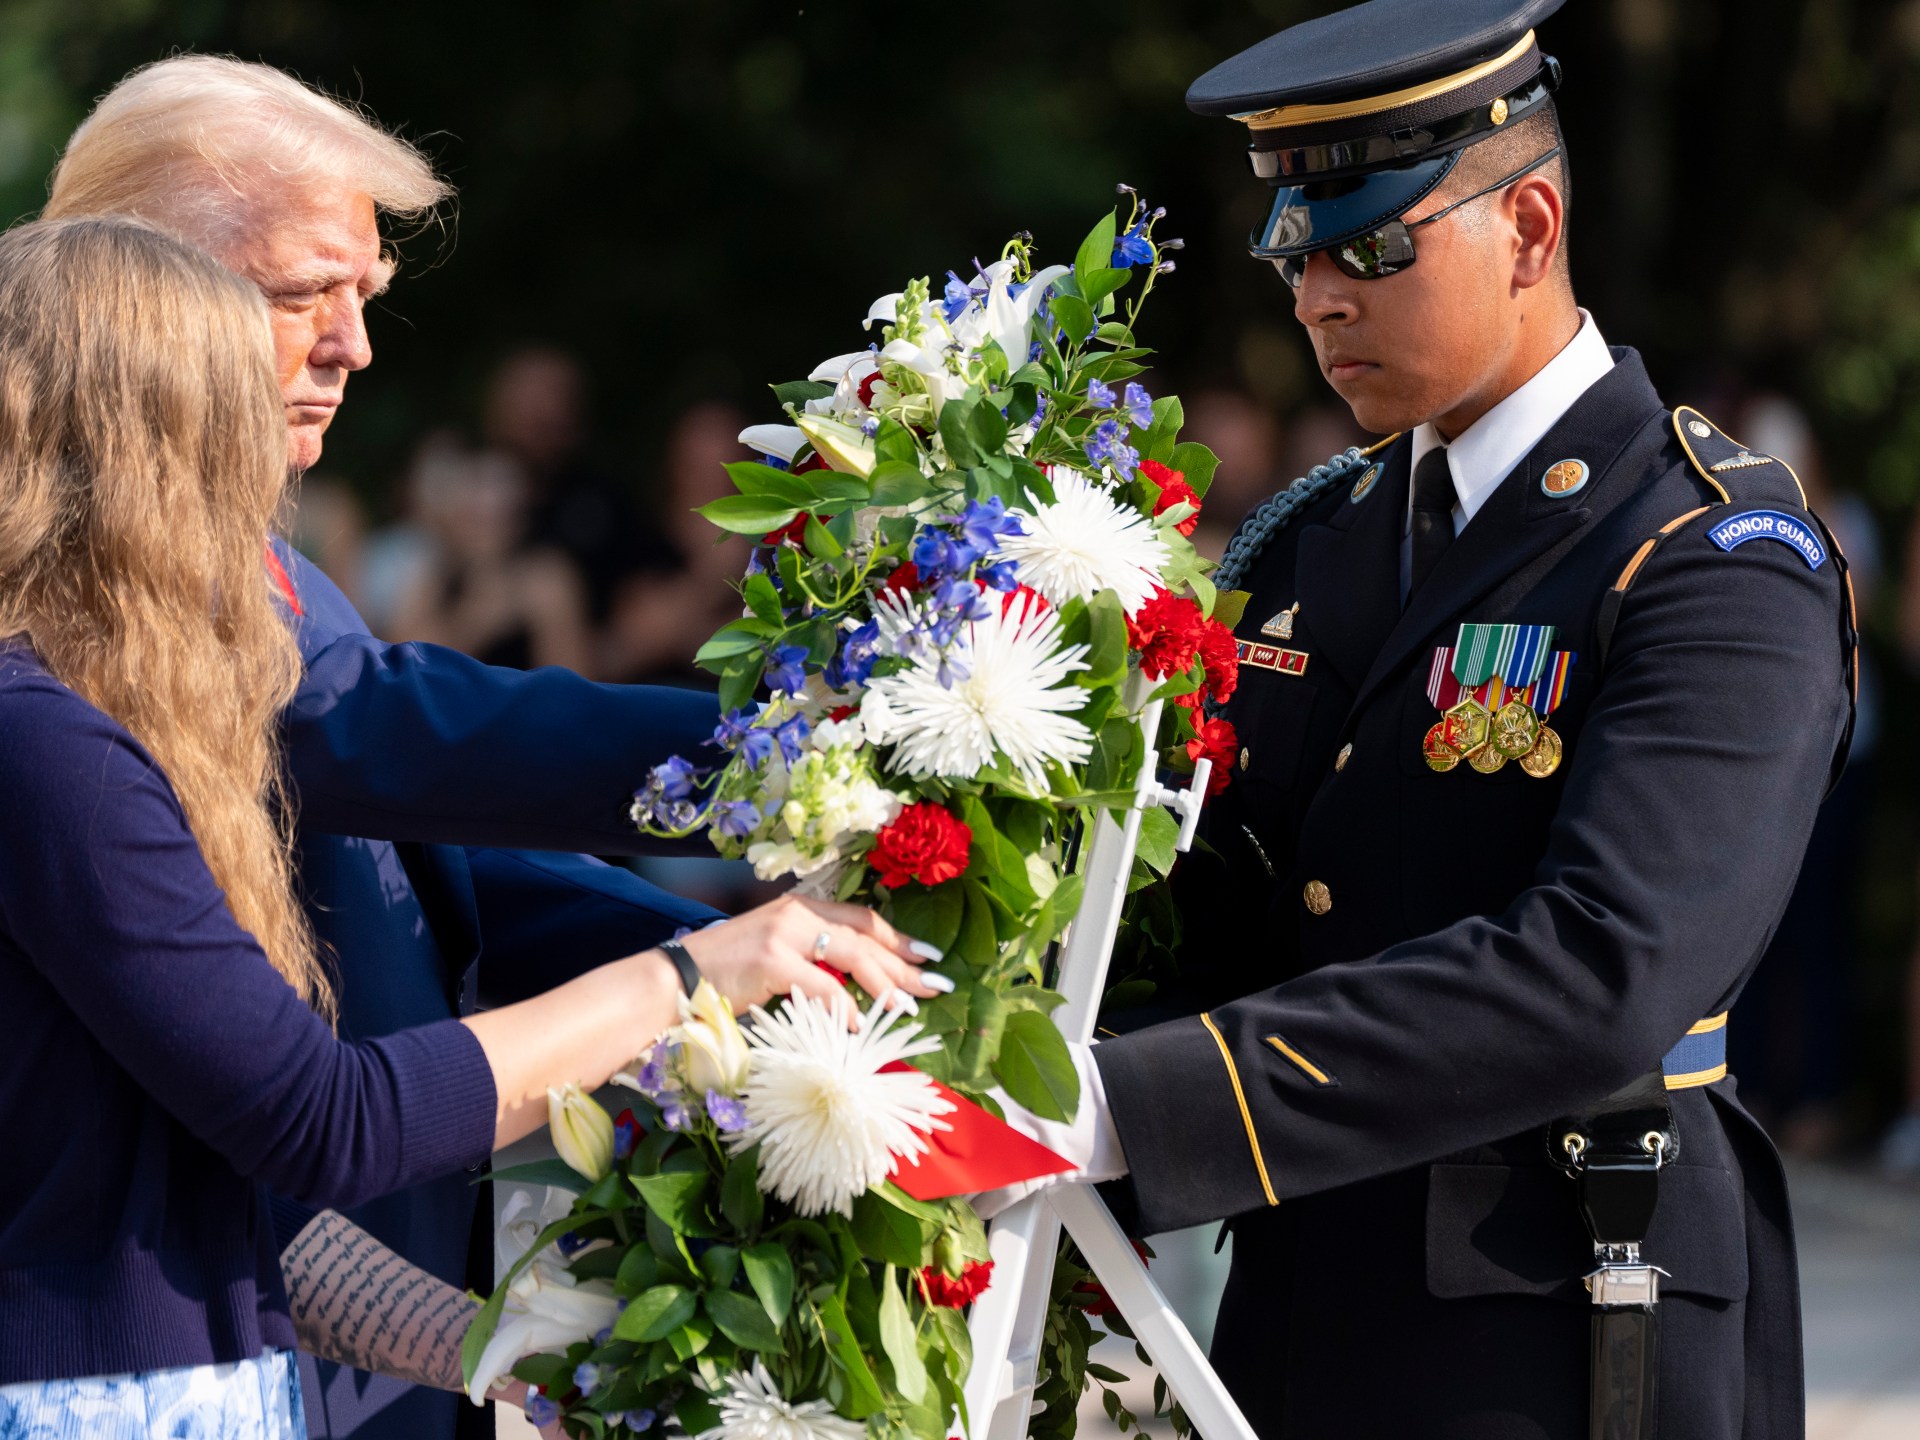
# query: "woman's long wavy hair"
142,464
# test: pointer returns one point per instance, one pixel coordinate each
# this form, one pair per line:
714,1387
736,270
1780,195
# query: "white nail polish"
934,981
926,951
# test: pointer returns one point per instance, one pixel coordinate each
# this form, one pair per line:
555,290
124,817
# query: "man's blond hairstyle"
187,143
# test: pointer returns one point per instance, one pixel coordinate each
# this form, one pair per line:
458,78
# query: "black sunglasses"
1388,249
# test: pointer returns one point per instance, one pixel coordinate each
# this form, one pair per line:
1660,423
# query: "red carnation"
1173,489
1215,740
815,461
1102,1302
1220,654
794,531
941,1288
903,579
1167,633
866,388
924,842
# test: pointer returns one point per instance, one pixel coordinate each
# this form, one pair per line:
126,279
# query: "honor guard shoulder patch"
1734,473
1796,535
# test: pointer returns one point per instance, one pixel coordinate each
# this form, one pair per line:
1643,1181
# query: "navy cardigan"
157,1072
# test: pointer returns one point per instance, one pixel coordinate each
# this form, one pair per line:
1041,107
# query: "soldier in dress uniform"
1538,699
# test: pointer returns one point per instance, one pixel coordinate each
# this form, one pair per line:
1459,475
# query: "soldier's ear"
1539,218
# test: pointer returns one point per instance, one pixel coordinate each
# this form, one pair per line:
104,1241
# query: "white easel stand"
1009,1320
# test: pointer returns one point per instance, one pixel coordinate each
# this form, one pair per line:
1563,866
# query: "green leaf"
898,1340
863,1396
752,478
1231,606
480,1331
749,514
831,486
1158,443
928,913
720,1263
886,1232
1074,316
992,858
1106,641
1196,462
556,1173
740,1198
655,1314
674,1197
1102,283
639,1270
696,1412
1158,831
1036,1067
978,942
898,482
1095,253
986,1024
1022,405
798,392
691,1338
819,542
958,433
987,427
737,637
762,599
770,1273
738,680
742,1320
893,441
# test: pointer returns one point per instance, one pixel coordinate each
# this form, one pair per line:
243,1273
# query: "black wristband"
683,962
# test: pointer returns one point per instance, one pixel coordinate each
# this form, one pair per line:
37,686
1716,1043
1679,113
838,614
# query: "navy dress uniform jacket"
1368,1088
415,768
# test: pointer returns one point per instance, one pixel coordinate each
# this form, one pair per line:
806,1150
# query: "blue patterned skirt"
255,1399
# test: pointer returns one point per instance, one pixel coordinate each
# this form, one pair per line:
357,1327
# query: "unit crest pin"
1280,627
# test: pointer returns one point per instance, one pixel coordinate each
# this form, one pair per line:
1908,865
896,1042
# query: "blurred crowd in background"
666,207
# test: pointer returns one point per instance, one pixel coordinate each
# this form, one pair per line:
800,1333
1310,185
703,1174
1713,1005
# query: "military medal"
1494,689
1544,758
1438,750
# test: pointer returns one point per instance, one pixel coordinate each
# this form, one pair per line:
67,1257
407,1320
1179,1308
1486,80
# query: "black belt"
1614,1152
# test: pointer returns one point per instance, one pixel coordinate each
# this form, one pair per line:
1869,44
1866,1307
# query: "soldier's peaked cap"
1355,116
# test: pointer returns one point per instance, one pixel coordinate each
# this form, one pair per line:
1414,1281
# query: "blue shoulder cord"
1258,528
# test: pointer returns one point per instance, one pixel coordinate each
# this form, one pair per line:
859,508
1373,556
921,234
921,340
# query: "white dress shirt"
1484,454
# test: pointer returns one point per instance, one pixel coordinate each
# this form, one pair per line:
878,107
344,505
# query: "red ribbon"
283,582
980,1152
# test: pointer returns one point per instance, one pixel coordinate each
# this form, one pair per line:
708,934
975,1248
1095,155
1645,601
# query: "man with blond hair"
415,767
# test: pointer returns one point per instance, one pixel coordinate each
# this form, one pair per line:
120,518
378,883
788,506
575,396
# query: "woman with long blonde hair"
168,1053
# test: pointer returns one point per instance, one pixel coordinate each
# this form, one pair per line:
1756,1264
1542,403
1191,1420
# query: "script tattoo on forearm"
357,1303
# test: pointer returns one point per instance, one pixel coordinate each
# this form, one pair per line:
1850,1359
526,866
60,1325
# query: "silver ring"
821,943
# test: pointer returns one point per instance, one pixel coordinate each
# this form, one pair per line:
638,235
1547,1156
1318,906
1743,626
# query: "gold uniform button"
1340,760
1246,757
1319,899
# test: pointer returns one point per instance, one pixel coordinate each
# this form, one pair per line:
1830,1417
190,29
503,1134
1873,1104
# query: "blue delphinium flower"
1001,575
737,731
935,554
1040,408
792,735
775,462
638,1421
604,1335
1109,447
736,818
675,778
572,1243
541,1411
1101,394
854,661
956,298
786,668
677,1114
984,522
726,1112
1133,248
590,1377
652,1076
1139,404
626,1135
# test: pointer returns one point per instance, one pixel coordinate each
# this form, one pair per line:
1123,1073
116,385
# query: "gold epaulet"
1380,445
1738,475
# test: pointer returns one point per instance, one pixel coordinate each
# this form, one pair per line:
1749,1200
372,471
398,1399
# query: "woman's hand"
780,947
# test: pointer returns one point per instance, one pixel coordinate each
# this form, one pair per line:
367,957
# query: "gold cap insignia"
1563,478
1497,112
1364,484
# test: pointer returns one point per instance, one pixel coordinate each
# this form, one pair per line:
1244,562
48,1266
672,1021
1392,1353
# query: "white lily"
781,441
1010,317
716,1052
582,1131
546,1310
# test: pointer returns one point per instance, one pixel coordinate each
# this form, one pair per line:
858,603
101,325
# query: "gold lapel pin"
1280,627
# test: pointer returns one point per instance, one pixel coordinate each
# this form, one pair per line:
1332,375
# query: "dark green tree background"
700,196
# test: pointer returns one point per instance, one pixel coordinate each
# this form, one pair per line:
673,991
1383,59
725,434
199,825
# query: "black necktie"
1432,514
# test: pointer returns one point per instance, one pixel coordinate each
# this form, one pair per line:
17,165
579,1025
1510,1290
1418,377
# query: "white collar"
1483,454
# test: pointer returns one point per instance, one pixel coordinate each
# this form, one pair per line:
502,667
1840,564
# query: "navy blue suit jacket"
414,769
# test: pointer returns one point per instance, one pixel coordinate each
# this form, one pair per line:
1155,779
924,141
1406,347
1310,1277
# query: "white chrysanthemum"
1011,701
1086,542
752,1409
828,1117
